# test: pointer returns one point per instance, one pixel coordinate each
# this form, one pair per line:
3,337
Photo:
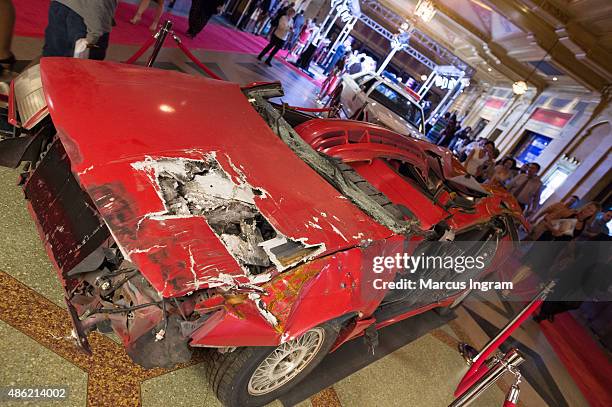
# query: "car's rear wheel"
255,376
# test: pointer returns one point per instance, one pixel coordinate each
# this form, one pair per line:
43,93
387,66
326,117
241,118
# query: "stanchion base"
468,352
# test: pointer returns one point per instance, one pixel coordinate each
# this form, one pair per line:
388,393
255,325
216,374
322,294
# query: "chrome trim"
541,296
508,362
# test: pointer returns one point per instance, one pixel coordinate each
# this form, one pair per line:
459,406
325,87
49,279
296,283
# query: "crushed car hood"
169,158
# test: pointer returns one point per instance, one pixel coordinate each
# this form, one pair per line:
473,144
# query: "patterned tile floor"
34,327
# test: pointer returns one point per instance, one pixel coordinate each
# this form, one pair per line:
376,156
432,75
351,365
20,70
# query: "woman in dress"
330,83
303,38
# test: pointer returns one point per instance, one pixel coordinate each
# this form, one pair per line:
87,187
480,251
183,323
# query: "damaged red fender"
339,285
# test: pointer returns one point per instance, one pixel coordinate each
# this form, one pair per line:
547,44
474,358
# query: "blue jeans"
332,63
65,27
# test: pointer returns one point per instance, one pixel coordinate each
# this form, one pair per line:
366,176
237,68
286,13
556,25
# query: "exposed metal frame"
388,35
426,41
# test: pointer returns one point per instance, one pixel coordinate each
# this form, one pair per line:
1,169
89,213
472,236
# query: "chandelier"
519,87
425,10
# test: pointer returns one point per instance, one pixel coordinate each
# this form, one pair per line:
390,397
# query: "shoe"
268,63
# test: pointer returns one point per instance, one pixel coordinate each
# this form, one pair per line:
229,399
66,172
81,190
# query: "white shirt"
284,27
475,162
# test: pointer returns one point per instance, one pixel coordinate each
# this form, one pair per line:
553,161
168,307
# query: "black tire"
229,373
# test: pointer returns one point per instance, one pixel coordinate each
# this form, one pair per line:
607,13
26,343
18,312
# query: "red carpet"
586,362
32,20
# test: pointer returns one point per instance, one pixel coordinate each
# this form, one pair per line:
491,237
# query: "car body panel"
126,168
115,161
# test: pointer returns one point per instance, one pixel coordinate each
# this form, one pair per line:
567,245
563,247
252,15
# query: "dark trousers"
198,17
65,27
274,45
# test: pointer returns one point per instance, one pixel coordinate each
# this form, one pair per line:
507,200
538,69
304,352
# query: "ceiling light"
423,77
425,10
519,87
489,69
555,78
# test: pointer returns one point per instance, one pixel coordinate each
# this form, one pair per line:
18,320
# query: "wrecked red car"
183,212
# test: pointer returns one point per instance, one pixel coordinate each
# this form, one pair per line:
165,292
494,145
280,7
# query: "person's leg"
158,13
57,43
265,50
278,44
75,30
144,4
275,49
7,23
195,15
204,19
331,64
324,86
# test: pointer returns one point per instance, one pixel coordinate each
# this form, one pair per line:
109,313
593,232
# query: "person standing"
298,23
557,210
554,212
476,160
502,172
278,37
7,23
282,10
200,12
263,17
598,226
461,134
433,134
74,20
448,131
330,83
341,51
303,38
142,7
527,187
248,14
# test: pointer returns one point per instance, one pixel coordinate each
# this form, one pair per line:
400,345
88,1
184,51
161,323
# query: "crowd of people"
563,236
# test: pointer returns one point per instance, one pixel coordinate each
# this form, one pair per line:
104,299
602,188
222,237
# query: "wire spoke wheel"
286,362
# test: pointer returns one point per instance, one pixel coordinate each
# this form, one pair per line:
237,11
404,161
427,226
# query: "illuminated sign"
444,82
343,9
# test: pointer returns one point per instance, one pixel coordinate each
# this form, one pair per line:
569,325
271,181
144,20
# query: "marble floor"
36,349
